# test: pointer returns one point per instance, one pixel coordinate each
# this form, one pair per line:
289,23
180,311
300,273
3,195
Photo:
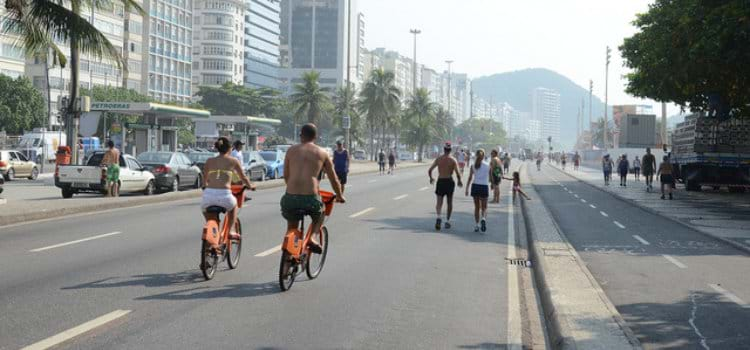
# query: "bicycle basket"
328,198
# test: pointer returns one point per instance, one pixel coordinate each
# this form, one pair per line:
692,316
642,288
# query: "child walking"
517,186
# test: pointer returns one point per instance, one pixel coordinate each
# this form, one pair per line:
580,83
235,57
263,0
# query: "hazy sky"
494,36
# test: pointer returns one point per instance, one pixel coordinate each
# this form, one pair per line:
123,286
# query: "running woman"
447,166
461,158
480,189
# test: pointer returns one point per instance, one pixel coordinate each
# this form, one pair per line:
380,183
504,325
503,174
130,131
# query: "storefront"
245,128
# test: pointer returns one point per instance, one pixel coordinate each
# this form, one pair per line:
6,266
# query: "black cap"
447,145
339,142
238,143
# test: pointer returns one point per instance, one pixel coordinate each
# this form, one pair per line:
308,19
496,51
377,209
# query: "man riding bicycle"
302,165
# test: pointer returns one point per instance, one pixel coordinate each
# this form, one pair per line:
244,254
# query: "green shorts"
292,204
113,173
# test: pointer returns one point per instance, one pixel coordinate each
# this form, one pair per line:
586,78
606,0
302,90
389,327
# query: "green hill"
515,88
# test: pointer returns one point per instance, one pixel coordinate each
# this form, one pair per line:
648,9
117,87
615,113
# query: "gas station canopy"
142,108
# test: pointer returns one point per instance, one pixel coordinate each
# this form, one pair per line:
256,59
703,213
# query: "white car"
134,178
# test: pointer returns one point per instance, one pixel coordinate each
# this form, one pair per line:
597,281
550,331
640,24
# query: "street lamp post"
606,101
450,97
346,122
416,32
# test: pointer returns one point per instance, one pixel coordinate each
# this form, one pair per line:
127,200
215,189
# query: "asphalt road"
129,278
675,287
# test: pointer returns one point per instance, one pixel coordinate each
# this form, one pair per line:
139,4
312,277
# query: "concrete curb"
103,204
699,229
569,320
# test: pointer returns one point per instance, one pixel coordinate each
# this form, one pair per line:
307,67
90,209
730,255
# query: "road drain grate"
519,262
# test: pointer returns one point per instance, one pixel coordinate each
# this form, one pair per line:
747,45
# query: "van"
41,144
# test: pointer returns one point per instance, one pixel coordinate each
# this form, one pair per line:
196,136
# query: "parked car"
13,164
199,158
274,163
172,170
72,179
255,166
359,155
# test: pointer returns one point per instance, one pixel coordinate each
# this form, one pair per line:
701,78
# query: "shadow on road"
242,290
463,227
148,280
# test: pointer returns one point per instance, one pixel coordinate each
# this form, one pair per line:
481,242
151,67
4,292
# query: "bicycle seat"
216,210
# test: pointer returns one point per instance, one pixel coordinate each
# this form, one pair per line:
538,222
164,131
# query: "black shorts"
342,177
445,187
480,191
647,171
667,179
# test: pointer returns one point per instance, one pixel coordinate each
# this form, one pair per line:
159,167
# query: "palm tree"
380,100
309,99
41,23
597,138
444,123
345,103
421,123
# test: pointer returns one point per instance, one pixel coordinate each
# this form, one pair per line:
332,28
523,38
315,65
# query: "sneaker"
484,225
476,228
437,224
315,247
447,225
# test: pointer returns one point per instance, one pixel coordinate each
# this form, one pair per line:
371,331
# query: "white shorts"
219,197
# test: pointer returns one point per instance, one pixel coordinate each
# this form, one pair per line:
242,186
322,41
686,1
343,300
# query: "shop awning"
150,107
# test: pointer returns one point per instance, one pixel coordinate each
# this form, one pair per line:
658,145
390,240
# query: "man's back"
111,156
446,166
304,162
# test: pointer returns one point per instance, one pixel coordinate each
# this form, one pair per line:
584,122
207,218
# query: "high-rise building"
360,64
218,44
314,36
12,58
432,82
262,39
169,26
546,109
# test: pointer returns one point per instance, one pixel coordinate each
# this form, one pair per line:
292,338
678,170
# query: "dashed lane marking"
76,331
371,181
604,214
583,200
269,251
575,195
618,224
674,261
363,212
729,295
592,206
74,242
400,197
640,239
424,188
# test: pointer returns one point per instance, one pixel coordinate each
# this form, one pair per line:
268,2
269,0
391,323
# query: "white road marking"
269,251
74,242
640,239
729,295
76,331
583,200
363,212
592,206
514,307
424,188
604,214
371,181
674,261
400,197
575,195
619,225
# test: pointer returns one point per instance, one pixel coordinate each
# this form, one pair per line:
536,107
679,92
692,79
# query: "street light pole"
347,124
606,100
450,97
416,32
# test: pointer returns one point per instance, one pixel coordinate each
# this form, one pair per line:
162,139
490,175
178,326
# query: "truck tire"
67,193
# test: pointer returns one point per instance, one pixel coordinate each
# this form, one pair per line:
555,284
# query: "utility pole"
591,94
450,92
664,124
347,119
414,91
606,101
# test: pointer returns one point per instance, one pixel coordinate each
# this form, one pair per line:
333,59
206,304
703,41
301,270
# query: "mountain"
515,89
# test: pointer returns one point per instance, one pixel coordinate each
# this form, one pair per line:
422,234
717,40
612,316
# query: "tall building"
314,36
432,82
262,39
546,109
361,50
401,67
218,44
12,58
169,26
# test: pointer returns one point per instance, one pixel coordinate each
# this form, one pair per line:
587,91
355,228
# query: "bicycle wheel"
287,271
209,261
234,249
315,261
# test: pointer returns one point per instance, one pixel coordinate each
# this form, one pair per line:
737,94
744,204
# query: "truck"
713,152
91,178
40,144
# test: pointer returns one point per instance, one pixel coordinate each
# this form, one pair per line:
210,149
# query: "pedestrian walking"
607,166
666,175
447,166
623,167
381,161
480,190
637,168
391,162
111,161
648,168
539,158
237,151
563,160
461,159
341,160
497,175
576,161
506,163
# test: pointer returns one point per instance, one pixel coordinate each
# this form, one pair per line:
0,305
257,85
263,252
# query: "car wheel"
175,185
149,188
67,193
11,175
198,182
34,174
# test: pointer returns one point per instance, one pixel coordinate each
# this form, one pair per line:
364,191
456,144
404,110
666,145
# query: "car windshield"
154,157
269,156
201,157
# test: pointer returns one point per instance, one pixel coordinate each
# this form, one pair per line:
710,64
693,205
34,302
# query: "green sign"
140,126
110,105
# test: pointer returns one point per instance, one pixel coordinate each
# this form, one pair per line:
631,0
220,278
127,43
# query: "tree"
345,103
309,99
693,53
444,124
22,106
479,131
231,99
420,127
380,99
597,136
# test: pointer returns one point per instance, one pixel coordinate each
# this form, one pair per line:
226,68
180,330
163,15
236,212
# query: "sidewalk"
35,200
722,215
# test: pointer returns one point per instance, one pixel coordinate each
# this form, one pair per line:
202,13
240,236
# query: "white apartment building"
433,82
218,43
533,128
169,28
546,109
361,50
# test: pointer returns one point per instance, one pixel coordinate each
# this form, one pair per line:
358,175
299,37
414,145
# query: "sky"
485,37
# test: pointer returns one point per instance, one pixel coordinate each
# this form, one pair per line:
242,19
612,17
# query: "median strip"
76,331
363,212
74,242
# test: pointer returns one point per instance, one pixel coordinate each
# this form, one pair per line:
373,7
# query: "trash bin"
62,157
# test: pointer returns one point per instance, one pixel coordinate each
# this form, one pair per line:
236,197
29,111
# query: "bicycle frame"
295,244
211,232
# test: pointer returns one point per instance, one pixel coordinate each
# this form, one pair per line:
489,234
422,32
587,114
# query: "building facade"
262,40
218,43
169,28
546,109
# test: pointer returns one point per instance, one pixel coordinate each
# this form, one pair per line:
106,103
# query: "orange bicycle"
296,255
213,237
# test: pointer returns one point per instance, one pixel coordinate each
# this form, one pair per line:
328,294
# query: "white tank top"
481,175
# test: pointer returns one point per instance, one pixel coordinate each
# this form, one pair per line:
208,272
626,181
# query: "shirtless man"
302,165
447,166
111,161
